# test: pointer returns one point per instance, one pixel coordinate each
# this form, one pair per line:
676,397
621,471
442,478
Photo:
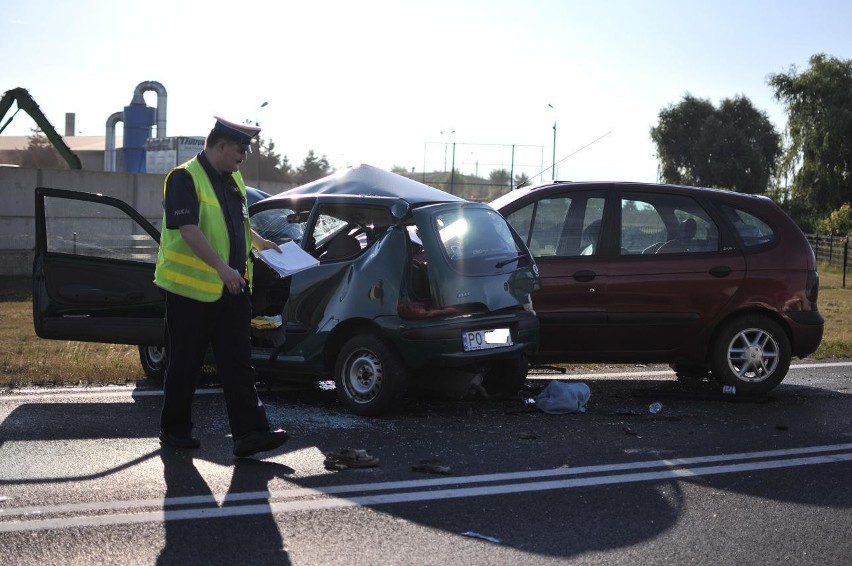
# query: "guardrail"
831,250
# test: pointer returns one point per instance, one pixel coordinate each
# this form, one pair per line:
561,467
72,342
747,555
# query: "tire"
154,360
369,375
506,377
751,353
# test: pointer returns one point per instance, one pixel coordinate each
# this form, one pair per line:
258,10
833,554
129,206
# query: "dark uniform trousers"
192,326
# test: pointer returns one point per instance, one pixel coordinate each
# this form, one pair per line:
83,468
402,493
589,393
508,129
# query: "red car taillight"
419,310
812,287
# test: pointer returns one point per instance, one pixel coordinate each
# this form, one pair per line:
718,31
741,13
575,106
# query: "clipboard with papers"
292,259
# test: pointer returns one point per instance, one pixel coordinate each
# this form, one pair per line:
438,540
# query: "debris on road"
473,534
433,466
349,458
560,397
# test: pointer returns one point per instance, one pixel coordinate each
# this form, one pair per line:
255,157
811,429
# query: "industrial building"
144,147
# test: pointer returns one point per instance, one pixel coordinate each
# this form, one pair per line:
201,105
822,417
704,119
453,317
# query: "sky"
418,84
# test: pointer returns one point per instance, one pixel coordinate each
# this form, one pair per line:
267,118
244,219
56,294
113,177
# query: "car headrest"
688,228
342,246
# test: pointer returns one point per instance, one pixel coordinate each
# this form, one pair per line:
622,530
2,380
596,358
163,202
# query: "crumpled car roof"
367,180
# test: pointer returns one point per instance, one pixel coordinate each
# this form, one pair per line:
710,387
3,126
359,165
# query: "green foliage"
521,180
838,223
40,153
270,166
734,147
799,211
819,113
500,177
312,168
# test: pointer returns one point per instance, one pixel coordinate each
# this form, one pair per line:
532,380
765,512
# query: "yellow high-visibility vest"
178,269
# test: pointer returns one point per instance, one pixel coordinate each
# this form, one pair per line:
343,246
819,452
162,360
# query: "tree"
734,146
270,165
40,154
521,180
312,168
500,177
819,124
838,223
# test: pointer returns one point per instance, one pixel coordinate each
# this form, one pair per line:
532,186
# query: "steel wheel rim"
363,377
753,355
156,355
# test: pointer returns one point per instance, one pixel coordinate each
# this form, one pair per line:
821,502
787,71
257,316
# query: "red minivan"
709,281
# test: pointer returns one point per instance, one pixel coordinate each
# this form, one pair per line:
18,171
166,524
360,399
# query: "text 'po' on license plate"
485,339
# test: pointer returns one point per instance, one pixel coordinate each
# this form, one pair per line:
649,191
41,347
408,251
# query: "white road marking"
598,374
95,392
302,499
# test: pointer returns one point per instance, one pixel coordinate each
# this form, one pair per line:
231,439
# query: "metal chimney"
69,124
162,98
109,153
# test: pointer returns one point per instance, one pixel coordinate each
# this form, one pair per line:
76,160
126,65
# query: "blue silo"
138,121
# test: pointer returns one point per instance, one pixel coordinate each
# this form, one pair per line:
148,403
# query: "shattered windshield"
279,225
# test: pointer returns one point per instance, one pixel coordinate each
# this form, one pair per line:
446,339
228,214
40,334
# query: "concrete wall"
17,195
90,160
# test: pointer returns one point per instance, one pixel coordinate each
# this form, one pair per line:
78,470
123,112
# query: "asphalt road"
709,479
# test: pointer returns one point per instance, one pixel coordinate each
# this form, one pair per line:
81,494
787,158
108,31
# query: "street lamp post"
257,157
257,113
453,171
452,174
450,133
553,161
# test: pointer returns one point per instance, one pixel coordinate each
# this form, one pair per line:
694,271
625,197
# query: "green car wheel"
369,375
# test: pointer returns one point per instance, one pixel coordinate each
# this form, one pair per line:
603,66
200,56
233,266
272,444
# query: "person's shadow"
232,538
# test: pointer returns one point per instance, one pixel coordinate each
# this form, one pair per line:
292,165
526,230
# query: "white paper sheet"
292,259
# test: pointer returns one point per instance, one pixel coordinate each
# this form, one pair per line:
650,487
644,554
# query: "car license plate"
486,339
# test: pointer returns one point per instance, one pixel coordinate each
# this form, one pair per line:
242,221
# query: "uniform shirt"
181,206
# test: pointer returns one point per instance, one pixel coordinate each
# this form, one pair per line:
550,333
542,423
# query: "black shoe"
259,441
179,440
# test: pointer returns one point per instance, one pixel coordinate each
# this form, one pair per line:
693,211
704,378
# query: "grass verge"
27,360
835,304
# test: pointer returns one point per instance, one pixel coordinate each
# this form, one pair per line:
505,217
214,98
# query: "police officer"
205,269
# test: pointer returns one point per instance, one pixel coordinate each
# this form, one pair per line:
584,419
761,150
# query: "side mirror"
400,210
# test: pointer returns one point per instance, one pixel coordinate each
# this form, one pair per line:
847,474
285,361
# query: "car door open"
93,273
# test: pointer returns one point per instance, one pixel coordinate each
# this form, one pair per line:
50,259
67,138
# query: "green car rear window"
477,241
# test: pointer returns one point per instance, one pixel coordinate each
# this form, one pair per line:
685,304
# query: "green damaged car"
387,284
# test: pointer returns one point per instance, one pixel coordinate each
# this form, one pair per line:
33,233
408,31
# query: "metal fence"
478,171
831,250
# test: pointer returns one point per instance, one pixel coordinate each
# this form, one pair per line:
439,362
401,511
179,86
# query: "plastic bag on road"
559,398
